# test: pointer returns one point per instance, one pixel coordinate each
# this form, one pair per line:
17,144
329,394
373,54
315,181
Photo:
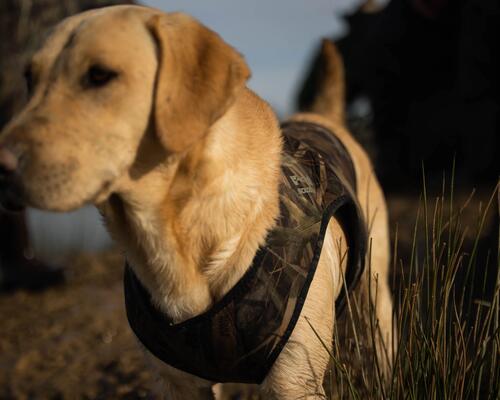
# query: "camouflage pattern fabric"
241,336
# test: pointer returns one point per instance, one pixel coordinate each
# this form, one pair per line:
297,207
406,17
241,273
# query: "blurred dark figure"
430,69
22,27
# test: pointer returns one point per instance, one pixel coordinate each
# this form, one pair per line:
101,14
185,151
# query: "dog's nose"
8,162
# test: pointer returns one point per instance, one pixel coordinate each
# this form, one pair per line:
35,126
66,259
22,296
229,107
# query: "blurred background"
422,90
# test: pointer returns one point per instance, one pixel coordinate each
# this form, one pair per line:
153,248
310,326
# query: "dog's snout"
8,162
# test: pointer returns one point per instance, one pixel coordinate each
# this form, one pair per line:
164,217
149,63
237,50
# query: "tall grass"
446,315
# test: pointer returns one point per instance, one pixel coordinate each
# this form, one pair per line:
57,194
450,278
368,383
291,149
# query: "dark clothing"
240,337
429,69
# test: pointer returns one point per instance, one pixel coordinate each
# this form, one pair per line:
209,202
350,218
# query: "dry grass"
447,308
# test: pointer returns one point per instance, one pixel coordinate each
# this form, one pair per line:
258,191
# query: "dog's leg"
174,384
236,391
373,292
299,370
377,218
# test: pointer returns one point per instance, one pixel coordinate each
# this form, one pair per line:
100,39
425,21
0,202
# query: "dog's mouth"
103,193
13,197
11,193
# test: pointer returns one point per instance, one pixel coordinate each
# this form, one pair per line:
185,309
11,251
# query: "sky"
277,38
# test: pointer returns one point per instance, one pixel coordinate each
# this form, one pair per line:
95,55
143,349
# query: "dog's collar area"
241,336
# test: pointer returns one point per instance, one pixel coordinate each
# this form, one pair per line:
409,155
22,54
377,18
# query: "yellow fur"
183,161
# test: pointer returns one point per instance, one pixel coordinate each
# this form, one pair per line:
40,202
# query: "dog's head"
102,81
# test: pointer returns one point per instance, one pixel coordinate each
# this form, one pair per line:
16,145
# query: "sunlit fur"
183,161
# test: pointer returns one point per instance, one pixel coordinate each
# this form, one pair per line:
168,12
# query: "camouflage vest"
240,337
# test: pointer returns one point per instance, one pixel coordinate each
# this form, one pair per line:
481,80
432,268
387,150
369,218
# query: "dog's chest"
241,336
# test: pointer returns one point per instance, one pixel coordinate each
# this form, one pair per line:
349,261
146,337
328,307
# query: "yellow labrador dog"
147,116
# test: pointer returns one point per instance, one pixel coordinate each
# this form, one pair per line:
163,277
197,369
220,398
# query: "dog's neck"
191,225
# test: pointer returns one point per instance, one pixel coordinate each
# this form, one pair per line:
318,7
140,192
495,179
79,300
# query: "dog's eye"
98,76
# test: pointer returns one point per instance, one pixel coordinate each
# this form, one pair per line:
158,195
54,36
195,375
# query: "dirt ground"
73,341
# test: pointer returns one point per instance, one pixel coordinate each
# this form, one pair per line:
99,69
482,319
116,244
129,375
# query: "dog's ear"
199,76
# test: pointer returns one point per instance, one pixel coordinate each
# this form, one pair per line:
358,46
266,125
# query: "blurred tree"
23,24
429,69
